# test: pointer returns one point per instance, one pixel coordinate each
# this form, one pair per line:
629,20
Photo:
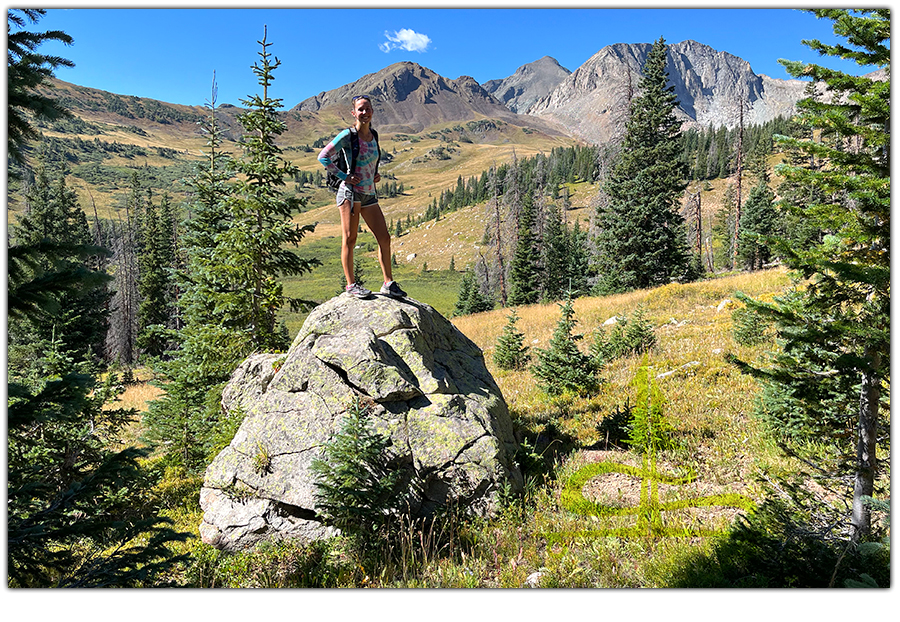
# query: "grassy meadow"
535,541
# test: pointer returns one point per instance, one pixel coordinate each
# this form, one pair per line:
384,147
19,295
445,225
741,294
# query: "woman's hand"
354,179
377,177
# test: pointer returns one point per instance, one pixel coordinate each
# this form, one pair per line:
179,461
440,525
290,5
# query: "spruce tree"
510,351
524,272
470,298
827,382
356,482
53,216
253,250
641,238
26,70
79,513
578,266
556,258
759,219
184,420
156,260
562,367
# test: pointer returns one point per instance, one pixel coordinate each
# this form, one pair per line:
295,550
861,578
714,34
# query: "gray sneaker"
358,291
393,290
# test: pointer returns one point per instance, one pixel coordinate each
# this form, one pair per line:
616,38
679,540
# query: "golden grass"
708,400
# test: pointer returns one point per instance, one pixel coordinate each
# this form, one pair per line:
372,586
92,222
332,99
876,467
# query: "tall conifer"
254,250
641,236
828,381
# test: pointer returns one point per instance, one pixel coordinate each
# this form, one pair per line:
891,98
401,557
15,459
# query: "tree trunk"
740,174
869,397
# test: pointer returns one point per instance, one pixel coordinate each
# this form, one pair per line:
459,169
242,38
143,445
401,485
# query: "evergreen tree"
578,267
184,420
524,271
253,249
54,217
510,351
556,259
156,260
26,70
826,383
470,298
78,509
356,483
723,228
641,236
759,219
562,367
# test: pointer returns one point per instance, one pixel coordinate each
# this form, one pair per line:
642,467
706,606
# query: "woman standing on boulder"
356,195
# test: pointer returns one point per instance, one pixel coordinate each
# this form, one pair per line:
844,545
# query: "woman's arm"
329,153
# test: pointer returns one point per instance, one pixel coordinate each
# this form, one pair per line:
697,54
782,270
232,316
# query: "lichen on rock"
428,389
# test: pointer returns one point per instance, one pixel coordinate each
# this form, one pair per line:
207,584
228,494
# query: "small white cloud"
405,39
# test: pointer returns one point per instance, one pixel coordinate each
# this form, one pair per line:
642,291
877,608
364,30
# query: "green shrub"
628,336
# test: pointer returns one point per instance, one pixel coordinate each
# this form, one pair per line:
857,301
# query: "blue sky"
170,54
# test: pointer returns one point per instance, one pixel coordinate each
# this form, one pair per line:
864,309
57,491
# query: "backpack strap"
354,149
378,147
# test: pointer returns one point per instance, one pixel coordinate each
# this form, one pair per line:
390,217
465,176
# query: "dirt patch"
621,490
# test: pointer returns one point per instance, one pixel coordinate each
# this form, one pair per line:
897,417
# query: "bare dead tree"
740,173
498,238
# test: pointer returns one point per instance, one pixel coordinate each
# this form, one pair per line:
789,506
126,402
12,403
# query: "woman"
356,195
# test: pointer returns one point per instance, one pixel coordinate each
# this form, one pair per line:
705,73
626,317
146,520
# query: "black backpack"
332,180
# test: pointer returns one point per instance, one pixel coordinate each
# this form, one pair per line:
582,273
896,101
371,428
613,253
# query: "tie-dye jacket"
365,160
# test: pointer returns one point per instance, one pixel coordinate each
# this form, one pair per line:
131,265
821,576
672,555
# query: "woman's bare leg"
349,230
374,218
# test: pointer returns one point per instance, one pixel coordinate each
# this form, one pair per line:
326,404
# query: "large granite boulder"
426,386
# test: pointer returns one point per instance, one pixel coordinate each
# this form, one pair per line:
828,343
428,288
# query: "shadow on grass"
772,548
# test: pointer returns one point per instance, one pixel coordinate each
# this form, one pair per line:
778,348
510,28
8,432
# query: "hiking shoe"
393,290
358,291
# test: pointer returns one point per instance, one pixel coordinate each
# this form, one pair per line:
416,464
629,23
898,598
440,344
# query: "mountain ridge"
589,104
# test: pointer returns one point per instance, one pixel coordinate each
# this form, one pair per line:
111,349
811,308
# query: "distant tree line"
709,153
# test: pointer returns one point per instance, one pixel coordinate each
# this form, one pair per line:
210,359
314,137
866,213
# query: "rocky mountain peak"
711,85
528,84
408,97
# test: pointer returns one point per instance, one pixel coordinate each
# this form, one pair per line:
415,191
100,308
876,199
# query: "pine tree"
578,266
26,70
524,271
253,250
723,228
556,259
53,216
78,509
510,351
759,219
641,235
562,367
356,484
826,383
156,260
185,419
470,298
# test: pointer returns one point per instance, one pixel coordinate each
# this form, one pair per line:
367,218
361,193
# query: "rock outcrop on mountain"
409,98
427,388
709,84
528,84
